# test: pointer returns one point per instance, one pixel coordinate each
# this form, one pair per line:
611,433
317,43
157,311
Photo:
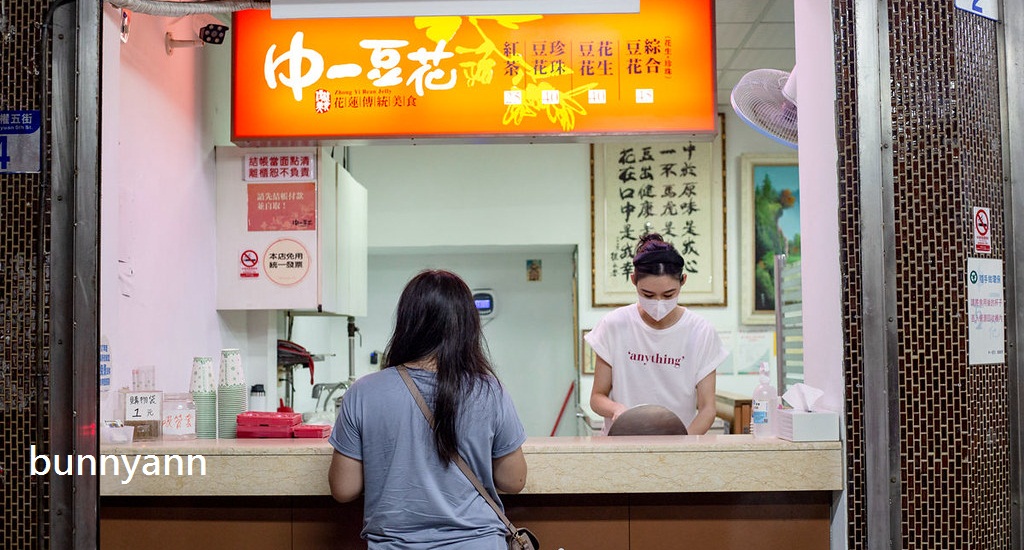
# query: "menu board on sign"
650,72
672,188
986,312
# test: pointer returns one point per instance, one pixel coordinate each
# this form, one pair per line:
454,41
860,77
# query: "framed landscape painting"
770,221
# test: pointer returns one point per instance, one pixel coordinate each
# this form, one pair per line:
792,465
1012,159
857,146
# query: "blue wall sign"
984,8
20,141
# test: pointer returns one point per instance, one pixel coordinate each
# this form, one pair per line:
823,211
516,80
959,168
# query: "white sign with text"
986,312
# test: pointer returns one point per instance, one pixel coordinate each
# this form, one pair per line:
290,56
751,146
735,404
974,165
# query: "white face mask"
657,309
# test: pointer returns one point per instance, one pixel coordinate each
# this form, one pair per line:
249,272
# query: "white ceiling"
752,34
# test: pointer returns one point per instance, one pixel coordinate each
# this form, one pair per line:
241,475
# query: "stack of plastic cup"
232,393
204,395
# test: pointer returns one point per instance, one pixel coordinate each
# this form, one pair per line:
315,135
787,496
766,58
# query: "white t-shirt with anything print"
657,366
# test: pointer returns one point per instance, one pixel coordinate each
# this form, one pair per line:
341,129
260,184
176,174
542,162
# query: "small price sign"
143,405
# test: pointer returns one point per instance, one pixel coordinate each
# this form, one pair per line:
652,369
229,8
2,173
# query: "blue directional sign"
20,143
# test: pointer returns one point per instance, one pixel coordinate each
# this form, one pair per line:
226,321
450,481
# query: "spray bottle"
762,410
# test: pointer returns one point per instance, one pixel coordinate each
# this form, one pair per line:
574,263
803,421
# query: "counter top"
565,465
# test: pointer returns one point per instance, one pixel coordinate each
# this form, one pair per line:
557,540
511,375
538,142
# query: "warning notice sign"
286,262
282,206
248,264
982,231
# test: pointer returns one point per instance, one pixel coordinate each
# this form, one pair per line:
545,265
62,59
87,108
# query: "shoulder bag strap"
459,461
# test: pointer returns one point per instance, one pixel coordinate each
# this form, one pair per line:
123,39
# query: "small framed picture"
587,357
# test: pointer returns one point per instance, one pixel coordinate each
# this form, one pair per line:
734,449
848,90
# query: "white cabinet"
291,231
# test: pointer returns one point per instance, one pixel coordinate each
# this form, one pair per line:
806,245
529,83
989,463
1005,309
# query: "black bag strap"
459,461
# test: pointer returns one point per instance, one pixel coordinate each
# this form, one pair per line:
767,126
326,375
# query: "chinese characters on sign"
986,312
671,188
280,167
20,141
143,406
286,262
282,206
179,422
649,72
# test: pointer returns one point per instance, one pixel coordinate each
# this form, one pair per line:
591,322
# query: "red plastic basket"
260,418
311,430
261,432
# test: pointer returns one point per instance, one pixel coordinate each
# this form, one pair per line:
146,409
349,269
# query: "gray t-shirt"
411,499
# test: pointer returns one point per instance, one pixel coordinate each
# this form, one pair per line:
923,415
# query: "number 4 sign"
984,8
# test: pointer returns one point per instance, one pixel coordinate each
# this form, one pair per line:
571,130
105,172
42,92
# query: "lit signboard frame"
554,77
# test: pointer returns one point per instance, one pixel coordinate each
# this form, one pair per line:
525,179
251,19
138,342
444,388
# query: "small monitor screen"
484,302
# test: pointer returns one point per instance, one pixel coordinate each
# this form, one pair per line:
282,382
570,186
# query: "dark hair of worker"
654,256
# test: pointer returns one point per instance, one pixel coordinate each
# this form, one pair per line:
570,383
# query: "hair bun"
648,237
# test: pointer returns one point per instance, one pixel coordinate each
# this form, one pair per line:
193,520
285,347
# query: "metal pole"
780,337
1012,66
881,384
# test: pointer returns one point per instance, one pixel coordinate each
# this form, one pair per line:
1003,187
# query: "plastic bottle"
762,410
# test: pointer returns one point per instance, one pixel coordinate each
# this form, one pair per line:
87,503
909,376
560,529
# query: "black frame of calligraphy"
749,313
718,297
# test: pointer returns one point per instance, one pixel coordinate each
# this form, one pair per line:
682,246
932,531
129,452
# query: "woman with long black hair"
415,496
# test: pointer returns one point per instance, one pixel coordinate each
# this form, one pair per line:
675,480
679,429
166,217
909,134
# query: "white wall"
819,203
157,206
157,212
819,207
530,336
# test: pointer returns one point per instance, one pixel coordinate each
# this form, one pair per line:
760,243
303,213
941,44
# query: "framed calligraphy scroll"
770,225
675,188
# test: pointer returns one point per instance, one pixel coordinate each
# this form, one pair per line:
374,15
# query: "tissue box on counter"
796,425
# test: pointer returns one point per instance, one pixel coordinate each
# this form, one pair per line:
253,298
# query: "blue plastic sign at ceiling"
20,144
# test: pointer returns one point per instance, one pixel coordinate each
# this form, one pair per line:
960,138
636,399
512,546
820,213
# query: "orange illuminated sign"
453,77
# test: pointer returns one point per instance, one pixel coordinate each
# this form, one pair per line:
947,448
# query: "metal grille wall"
847,137
947,159
24,385
986,407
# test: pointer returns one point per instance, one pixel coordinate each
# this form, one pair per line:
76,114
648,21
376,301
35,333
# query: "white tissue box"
797,425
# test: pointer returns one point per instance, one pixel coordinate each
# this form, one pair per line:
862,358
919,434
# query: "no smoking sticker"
248,264
982,223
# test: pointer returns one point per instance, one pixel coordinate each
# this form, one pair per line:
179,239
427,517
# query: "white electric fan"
766,100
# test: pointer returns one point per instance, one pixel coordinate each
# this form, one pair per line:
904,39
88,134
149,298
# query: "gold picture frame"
678,187
770,191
